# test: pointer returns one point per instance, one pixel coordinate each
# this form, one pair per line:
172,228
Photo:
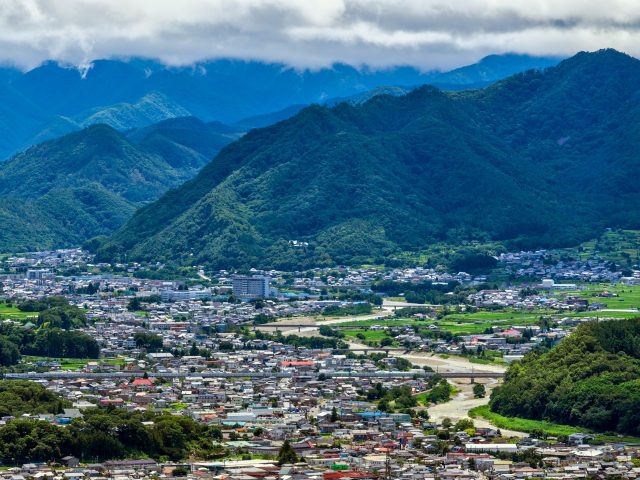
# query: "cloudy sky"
312,33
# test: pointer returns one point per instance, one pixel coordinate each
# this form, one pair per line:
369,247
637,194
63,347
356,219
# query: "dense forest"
591,379
507,163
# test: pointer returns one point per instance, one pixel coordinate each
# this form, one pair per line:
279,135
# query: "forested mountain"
89,182
591,379
541,158
490,69
52,100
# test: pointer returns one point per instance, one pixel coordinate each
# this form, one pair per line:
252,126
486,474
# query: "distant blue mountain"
53,99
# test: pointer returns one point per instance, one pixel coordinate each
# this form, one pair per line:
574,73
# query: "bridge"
68,375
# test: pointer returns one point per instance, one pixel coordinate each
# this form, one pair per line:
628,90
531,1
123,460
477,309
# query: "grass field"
74,363
523,424
549,428
369,335
478,322
387,322
621,246
604,314
512,315
13,313
627,296
486,360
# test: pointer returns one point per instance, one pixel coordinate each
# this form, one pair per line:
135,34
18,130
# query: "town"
325,374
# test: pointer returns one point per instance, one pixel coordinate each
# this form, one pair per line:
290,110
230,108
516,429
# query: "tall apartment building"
250,287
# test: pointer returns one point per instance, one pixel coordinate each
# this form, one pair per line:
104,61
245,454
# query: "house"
580,438
70,461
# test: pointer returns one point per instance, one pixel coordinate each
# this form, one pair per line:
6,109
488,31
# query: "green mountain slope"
591,379
541,158
89,183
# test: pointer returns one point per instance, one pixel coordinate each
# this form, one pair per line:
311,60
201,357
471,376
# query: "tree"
479,391
286,454
134,304
152,343
385,342
334,415
179,472
9,354
463,424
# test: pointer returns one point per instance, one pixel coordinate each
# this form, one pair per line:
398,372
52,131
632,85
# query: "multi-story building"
249,287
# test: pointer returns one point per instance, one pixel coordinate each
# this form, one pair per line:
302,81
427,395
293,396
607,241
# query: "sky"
428,34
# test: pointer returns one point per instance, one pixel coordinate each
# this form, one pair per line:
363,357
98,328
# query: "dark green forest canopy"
543,158
591,379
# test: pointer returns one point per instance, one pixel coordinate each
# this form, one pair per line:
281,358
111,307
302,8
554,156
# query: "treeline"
53,336
103,434
18,397
306,342
591,379
426,292
42,304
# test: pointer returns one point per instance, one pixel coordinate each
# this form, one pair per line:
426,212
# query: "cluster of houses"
530,300
537,264
262,392
337,438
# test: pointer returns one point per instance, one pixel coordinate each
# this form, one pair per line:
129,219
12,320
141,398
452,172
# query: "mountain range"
52,99
88,183
542,158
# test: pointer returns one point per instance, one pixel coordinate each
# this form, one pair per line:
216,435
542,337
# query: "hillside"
89,183
541,158
52,100
591,379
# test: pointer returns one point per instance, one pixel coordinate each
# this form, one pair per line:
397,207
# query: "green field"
502,315
479,322
549,428
387,322
13,313
459,323
604,314
628,296
622,247
370,335
74,363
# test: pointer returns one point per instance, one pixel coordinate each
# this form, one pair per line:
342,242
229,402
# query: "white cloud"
312,33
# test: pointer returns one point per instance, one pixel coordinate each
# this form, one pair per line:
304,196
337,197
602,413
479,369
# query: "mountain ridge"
442,165
90,182
52,99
